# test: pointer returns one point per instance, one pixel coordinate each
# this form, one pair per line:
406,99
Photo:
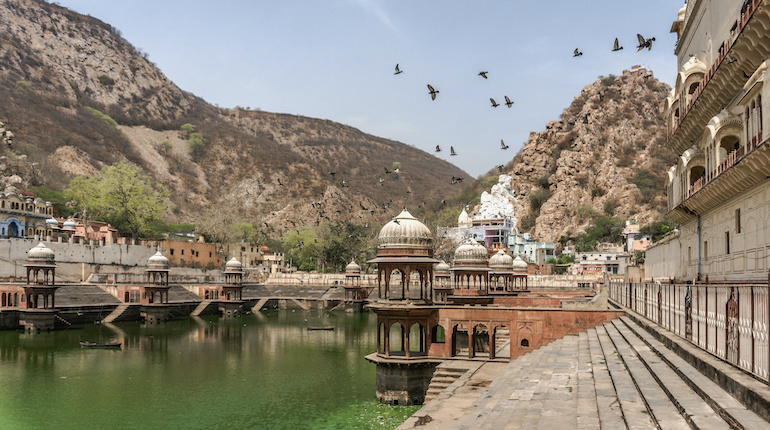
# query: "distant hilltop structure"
496,219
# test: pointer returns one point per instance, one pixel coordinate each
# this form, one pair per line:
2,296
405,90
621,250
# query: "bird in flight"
455,180
494,103
332,173
503,145
617,46
438,148
381,181
452,150
386,170
483,74
432,92
508,102
644,43
398,71
279,181
577,53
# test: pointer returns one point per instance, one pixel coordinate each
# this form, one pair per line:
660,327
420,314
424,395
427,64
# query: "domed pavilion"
38,300
443,283
470,269
405,247
233,288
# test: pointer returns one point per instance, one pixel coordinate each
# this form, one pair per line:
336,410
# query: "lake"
263,370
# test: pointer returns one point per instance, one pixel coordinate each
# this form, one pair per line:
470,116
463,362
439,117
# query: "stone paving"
614,376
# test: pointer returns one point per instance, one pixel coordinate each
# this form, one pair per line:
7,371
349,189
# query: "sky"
335,59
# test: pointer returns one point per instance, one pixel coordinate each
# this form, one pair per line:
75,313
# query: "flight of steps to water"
614,376
442,378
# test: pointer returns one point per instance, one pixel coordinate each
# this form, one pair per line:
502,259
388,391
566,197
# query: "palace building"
719,188
24,217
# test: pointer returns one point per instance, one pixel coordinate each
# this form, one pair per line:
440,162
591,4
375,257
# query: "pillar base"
155,313
38,319
402,381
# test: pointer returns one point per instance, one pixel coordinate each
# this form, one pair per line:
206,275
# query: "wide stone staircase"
614,376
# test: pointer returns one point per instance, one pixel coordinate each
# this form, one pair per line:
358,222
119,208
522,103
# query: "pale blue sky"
334,59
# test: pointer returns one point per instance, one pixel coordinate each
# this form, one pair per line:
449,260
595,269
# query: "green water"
260,371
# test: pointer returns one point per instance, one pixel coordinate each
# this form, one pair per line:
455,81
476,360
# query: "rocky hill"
77,96
605,156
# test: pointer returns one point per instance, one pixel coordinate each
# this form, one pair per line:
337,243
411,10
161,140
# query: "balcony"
749,46
742,169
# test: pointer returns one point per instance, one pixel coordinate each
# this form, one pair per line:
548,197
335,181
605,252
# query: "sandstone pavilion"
480,307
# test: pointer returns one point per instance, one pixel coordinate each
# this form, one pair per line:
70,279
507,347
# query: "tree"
129,199
84,194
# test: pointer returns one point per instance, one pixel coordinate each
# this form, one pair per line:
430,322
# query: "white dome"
501,260
471,252
352,267
519,265
69,224
41,254
232,265
52,222
405,231
442,267
463,218
157,261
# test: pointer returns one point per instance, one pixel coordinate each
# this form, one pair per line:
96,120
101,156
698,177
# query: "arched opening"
13,229
727,145
3,302
696,172
525,343
381,346
502,335
437,334
416,339
459,341
126,297
397,338
480,340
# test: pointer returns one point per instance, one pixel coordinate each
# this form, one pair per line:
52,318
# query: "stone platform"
614,376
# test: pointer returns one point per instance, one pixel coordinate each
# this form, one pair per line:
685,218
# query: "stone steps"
613,376
442,378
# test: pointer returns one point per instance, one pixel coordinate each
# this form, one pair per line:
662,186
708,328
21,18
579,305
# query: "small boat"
86,344
328,327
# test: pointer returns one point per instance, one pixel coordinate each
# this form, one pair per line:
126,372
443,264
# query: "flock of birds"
643,43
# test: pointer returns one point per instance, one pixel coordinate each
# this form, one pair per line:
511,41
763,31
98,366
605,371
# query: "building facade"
719,189
22,216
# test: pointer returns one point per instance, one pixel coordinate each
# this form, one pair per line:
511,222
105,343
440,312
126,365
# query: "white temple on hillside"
495,220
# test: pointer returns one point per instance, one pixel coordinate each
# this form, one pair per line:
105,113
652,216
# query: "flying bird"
503,145
398,71
494,103
452,150
644,43
332,173
432,92
455,180
386,170
617,46
508,102
381,181
438,148
279,182
577,53
483,74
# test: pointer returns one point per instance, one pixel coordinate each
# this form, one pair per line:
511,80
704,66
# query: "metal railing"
729,320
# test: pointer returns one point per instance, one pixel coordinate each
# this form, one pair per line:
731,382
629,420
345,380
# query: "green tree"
396,165
84,194
129,199
188,129
602,229
657,230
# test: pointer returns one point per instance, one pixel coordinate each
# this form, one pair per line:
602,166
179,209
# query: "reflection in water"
265,370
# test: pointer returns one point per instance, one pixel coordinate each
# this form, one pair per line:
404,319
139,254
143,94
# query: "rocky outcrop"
605,155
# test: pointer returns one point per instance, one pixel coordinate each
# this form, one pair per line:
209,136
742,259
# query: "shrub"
197,145
538,197
610,206
543,181
528,222
609,80
104,117
165,147
106,80
396,165
24,86
585,212
188,129
649,185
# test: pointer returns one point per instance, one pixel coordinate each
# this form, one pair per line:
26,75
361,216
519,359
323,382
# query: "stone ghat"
614,376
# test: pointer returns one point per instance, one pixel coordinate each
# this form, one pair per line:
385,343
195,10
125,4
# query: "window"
706,250
183,252
172,251
437,334
737,220
727,242
209,255
525,343
689,254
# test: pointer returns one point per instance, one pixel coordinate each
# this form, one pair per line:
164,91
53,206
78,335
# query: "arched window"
525,343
